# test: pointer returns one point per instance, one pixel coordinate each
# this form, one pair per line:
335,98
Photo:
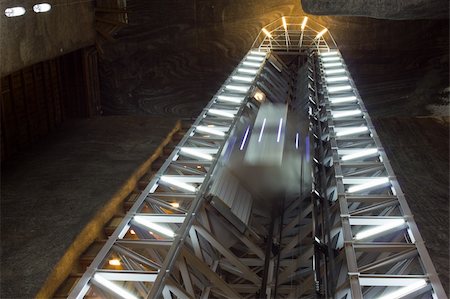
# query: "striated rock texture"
381,9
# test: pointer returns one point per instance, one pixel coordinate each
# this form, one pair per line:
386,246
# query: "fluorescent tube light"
230,99
365,186
242,78
304,23
330,53
336,79
332,89
113,287
252,64
362,153
345,113
404,291
350,131
255,58
177,183
221,113
245,138
260,53
204,129
319,35
247,71
284,23
239,88
262,130
332,64
266,32
196,153
279,129
338,100
327,59
390,224
335,71
153,226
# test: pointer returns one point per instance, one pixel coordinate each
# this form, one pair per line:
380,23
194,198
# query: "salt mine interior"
224,149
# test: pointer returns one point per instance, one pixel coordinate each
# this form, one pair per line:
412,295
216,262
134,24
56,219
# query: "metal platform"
211,226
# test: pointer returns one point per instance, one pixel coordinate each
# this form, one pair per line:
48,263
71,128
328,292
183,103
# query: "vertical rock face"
382,9
32,38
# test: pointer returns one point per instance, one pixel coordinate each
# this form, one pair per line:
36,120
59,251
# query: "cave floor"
50,191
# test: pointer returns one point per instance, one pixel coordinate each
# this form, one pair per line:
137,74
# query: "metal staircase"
208,226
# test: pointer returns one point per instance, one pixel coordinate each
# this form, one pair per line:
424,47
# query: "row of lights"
303,25
18,11
250,67
333,66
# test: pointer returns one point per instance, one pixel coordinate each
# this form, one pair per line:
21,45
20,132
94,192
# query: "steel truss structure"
197,232
363,218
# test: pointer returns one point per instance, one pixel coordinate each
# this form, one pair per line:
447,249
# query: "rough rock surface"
381,9
51,191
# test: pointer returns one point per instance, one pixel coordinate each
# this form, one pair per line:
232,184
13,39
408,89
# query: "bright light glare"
260,53
332,64
153,226
244,139
229,99
42,7
114,262
210,131
284,23
266,32
336,71
350,131
365,186
296,140
279,129
345,113
238,88
241,78
247,71
330,53
402,292
321,33
327,59
304,23
113,287
175,204
390,224
332,89
255,58
196,153
336,79
362,153
221,113
262,130
342,99
252,64
17,11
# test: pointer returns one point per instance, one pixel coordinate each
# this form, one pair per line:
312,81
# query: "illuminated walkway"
200,228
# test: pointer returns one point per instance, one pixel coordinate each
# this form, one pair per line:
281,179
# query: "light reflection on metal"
245,138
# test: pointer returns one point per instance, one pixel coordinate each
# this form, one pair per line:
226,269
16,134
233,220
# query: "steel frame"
151,235
176,241
378,249
294,34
